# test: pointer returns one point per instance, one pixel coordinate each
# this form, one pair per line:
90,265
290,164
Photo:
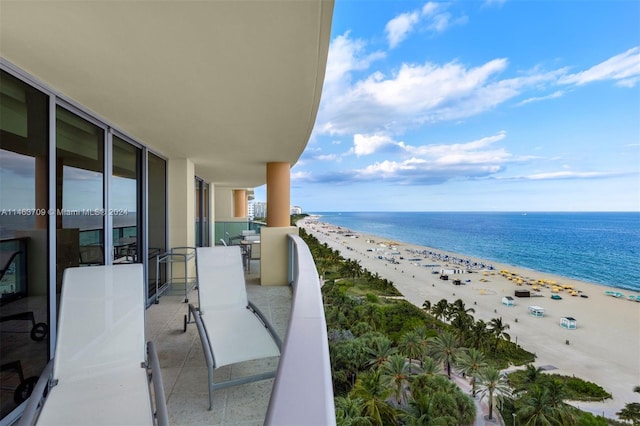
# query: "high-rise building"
259,209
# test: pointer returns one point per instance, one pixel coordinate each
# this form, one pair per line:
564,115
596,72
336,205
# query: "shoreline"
624,277
604,348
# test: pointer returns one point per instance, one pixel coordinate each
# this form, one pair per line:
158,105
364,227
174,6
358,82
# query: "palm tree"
541,407
492,384
439,310
479,335
423,334
444,348
470,363
396,374
459,307
498,328
423,411
429,366
630,412
411,346
426,305
462,322
373,315
557,394
348,412
446,400
373,393
351,268
532,376
380,349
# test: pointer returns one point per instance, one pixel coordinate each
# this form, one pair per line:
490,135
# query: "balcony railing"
302,391
226,229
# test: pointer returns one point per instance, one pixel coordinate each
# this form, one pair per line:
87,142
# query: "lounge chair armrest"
266,323
162,415
206,348
204,338
31,411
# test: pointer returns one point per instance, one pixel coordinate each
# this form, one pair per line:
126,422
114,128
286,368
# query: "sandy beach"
604,348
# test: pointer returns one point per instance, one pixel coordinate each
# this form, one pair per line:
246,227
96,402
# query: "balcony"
301,393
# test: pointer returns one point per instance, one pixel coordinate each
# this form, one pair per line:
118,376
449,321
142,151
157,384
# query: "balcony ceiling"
231,85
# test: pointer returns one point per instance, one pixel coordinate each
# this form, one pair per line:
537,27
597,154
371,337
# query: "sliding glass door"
73,193
157,218
202,213
79,192
24,241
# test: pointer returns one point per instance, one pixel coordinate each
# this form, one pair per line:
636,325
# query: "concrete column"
278,194
181,198
240,203
273,238
223,203
182,210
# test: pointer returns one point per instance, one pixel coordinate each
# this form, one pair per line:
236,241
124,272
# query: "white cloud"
624,67
398,28
435,163
440,22
567,175
418,94
554,95
347,55
391,168
327,157
628,82
432,16
414,94
490,3
368,144
300,175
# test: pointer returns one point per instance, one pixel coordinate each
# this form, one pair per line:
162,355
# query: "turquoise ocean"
600,248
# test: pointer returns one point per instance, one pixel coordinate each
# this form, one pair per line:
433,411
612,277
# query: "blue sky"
477,106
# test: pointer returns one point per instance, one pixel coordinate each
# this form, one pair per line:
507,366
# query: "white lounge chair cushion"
100,350
237,335
119,398
221,283
101,323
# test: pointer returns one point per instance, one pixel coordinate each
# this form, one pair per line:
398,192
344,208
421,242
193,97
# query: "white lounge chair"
100,374
231,328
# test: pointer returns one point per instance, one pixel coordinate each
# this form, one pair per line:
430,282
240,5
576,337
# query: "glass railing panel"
230,231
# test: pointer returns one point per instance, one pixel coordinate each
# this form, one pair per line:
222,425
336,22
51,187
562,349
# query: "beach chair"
103,371
231,329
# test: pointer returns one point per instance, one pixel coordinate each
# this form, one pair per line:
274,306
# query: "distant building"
259,209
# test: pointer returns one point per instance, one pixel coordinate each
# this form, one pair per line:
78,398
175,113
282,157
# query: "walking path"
482,405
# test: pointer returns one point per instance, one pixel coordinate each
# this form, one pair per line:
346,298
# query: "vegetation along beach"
571,327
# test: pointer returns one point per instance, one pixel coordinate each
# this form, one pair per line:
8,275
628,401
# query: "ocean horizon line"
474,211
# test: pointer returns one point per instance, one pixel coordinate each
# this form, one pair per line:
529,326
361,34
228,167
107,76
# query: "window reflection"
24,329
79,192
125,202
